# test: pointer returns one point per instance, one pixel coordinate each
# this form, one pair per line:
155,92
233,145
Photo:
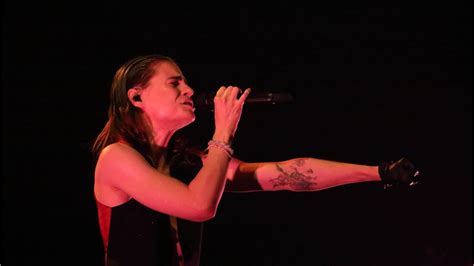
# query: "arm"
122,168
299,174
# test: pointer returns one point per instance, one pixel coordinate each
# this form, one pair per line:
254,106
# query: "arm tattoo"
295,176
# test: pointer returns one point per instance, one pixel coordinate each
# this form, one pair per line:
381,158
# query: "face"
167,98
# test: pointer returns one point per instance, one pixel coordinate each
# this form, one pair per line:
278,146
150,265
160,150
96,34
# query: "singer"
153,192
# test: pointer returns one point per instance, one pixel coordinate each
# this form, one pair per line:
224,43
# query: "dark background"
370,84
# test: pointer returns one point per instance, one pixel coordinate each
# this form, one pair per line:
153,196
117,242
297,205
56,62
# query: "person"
154,192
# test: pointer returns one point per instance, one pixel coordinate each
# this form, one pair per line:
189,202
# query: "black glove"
401,172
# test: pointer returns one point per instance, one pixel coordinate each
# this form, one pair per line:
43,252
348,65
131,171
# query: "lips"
189,103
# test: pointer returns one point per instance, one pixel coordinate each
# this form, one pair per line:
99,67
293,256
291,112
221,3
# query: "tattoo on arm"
295,176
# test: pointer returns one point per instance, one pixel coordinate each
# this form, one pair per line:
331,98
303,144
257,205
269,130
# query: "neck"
162,133
161,138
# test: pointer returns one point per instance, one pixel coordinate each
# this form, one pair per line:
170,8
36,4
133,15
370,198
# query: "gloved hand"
401,172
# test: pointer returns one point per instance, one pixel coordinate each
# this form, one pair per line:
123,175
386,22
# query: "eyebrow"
179,77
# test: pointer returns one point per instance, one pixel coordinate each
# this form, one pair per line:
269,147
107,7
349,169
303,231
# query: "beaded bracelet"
221,145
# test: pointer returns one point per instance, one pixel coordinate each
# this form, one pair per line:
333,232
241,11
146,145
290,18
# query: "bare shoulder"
114,162
118,155
117,150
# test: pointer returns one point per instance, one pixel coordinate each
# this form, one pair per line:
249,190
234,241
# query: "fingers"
244,96
221,91
232,92
228,109
227,92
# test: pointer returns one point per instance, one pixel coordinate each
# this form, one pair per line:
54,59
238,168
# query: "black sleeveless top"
134,234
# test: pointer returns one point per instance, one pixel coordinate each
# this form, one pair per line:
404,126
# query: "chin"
188,120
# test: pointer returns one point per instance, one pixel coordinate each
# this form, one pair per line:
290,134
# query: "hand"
227,112
401,172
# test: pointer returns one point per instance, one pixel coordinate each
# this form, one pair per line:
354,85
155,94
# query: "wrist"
223,137
221,146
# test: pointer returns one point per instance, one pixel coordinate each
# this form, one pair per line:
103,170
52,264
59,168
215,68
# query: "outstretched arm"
299,174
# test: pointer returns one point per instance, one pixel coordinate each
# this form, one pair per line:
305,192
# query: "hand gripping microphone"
205,100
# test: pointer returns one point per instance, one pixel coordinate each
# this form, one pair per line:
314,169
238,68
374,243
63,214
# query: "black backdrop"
370,83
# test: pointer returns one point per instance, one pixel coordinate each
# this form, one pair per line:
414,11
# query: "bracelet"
221,145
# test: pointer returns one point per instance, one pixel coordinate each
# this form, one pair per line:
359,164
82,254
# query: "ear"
134,96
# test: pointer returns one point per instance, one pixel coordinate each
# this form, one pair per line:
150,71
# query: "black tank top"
134,234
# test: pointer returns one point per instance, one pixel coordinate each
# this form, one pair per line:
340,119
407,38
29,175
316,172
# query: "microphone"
205,100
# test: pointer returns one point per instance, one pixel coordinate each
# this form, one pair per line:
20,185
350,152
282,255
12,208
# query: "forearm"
208,185
308,174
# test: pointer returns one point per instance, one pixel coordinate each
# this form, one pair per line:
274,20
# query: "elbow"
207,216
204,214
209,213
204,208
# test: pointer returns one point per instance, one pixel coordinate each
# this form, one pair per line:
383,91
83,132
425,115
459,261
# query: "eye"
175,84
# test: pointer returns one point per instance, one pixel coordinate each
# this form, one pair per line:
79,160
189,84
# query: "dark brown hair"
125,121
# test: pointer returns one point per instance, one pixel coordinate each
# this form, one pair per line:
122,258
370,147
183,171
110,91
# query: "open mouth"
189,103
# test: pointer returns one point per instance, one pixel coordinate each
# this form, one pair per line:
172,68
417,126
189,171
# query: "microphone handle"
264,98
270,97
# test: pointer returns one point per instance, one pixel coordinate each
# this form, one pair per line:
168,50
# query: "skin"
122,173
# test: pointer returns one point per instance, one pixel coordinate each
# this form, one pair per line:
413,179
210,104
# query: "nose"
188,91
